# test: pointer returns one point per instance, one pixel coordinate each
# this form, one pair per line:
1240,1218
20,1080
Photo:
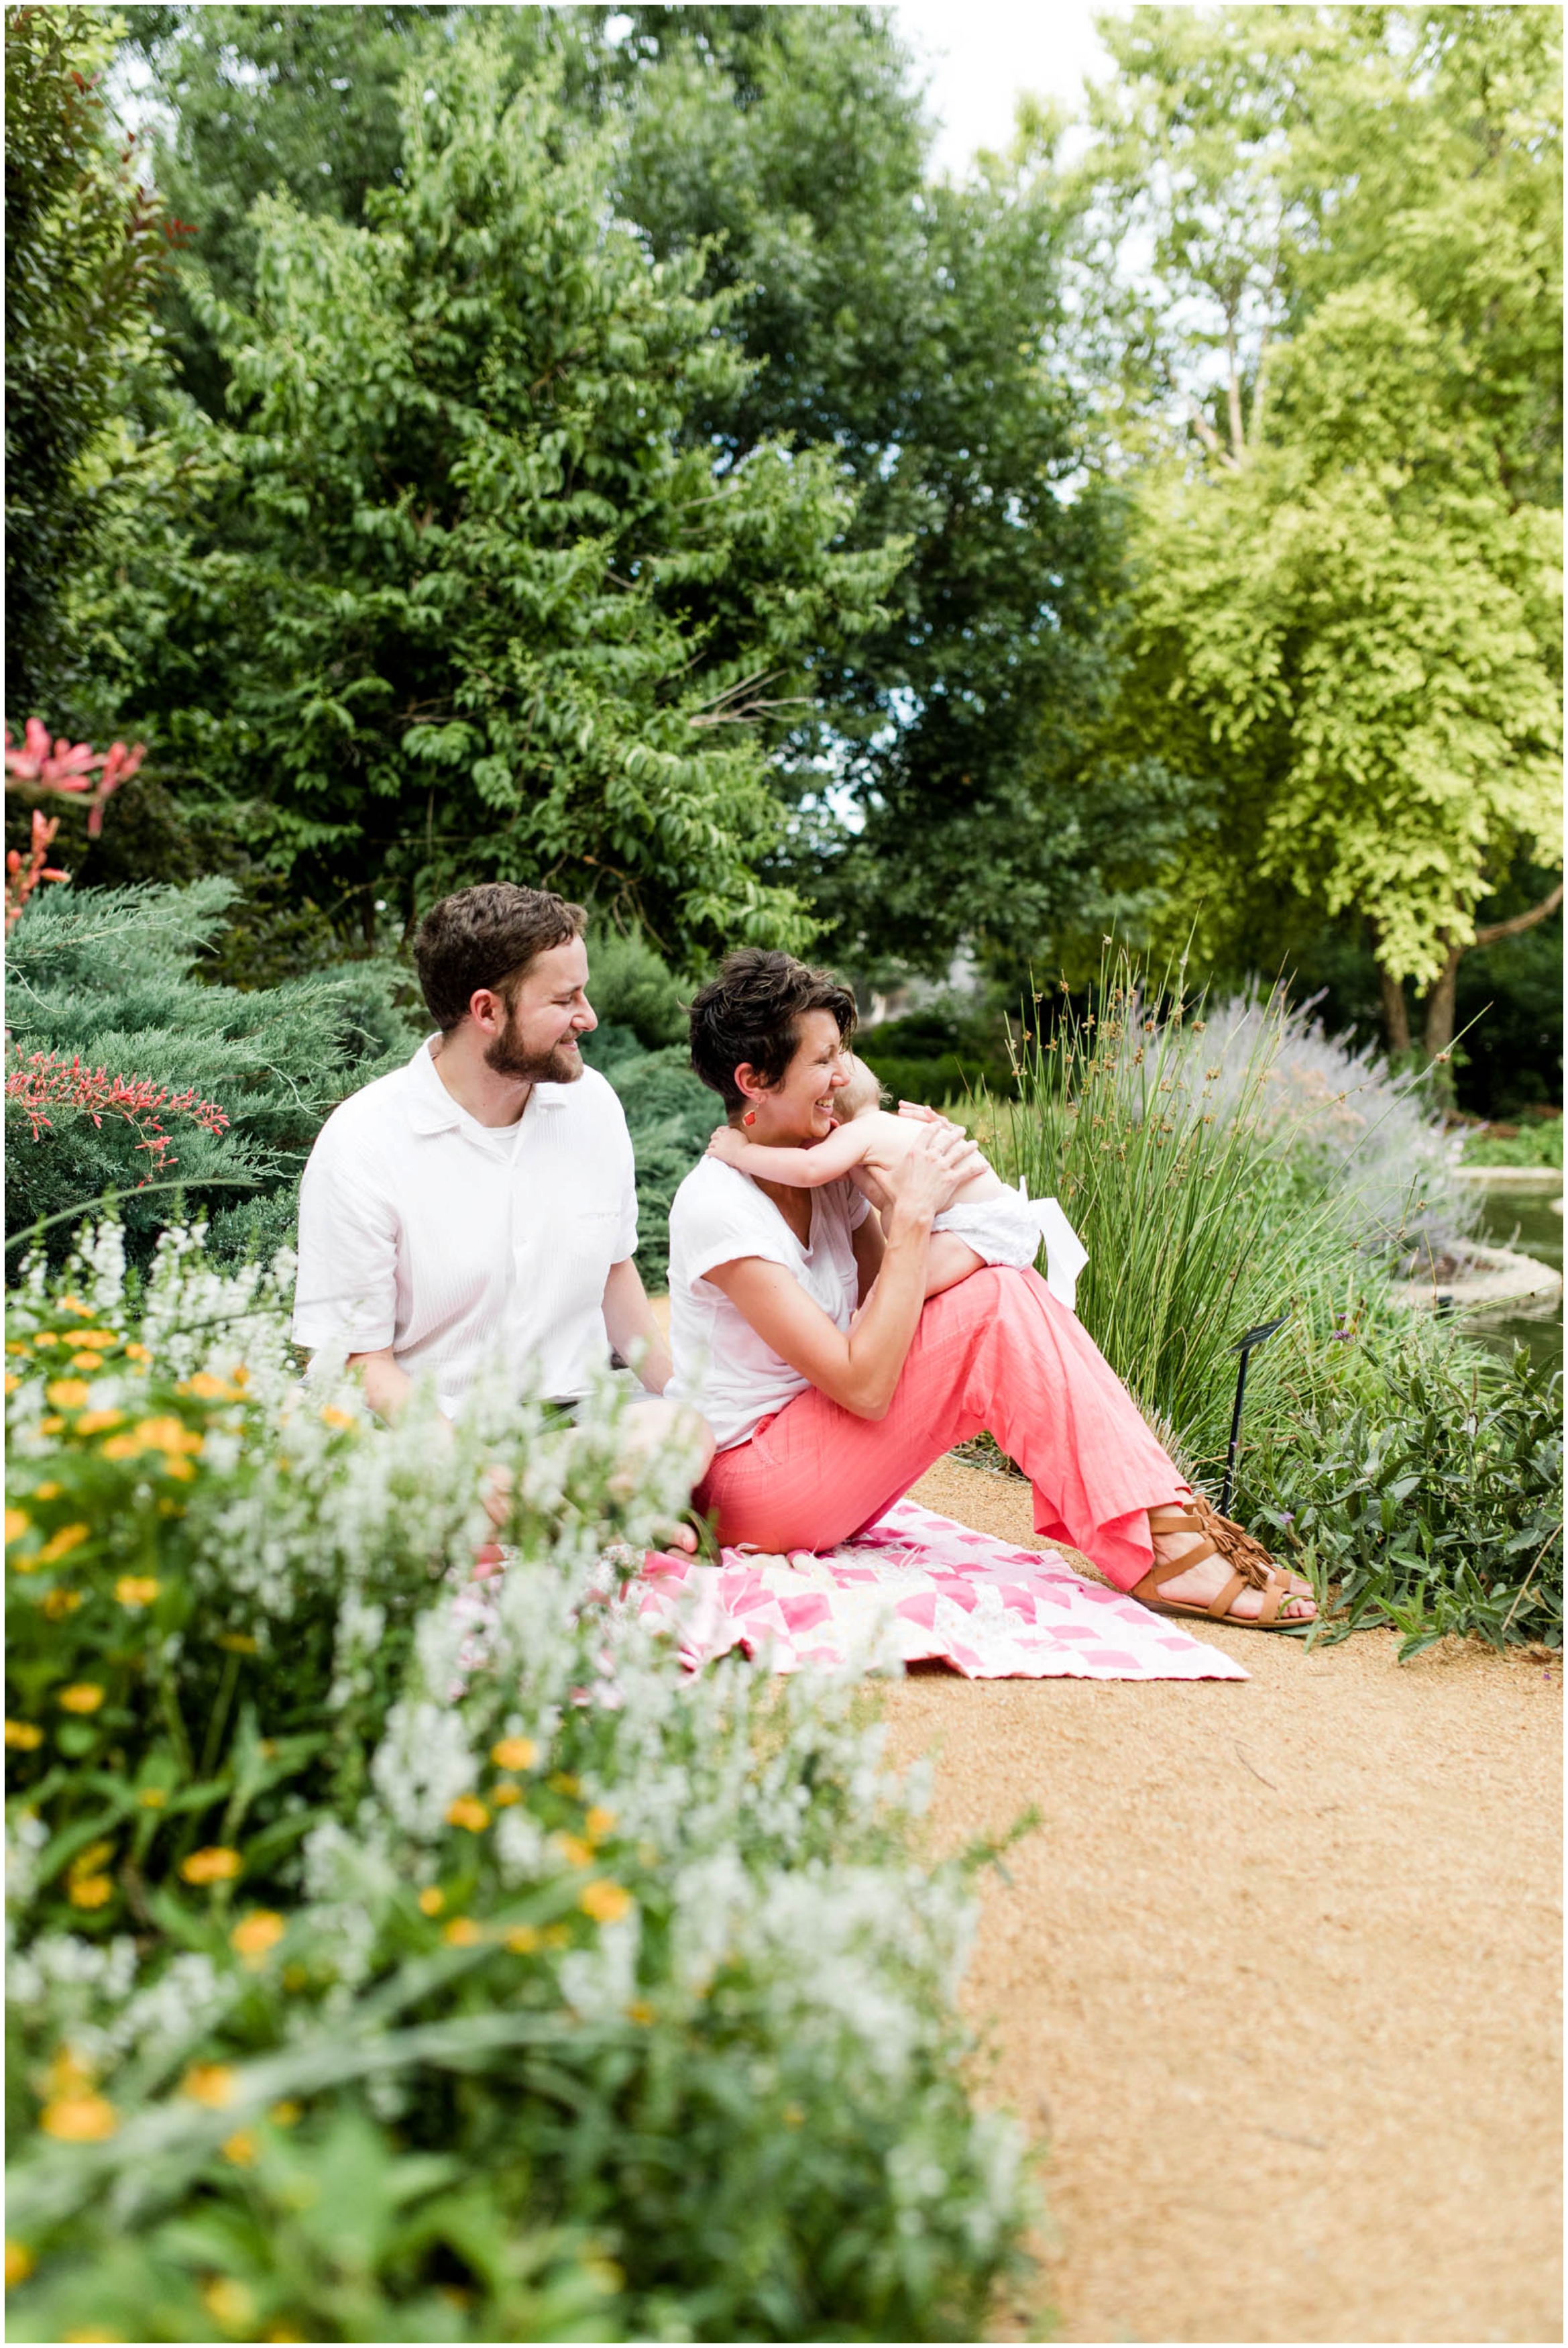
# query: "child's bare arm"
799,1169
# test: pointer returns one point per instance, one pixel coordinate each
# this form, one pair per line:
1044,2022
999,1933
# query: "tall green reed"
1196,1227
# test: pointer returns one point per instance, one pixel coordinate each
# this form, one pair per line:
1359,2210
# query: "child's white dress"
1010,1231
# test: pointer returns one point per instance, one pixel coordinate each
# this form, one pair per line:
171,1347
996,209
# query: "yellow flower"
80,2120
61,1602
573,1849
86,1362
332,1416
88,1861
53,1425
74,1304
238,1643
281,2331
514,1753
94,1337
211,2084
21,1736
92,2332
68,1394
60,1544
598,1823
17,1345
505,1796
18,2262
68,2074
468,1812
215,1864
522,1940
431,1901
167,1434
181,1470
229,2302
284,2115
91,1892
640,2012
137,1589
605,1902
119,1446
82,1696
17,1520
239,2148
153,1797
462,1933
47,1492
561,1784
252,1938
139,1354
205,1386
11,1382
96,1422
46,1337
240,1375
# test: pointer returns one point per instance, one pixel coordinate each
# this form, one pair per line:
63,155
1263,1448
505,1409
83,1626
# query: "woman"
835,1359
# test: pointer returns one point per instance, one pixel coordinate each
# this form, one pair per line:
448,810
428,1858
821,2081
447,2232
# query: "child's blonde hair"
863,1092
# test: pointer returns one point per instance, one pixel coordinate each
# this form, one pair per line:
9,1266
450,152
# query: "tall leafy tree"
85,244
1348,618
460,590
946,788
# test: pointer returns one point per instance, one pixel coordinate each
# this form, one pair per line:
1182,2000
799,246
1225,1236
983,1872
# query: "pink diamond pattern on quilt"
915,1587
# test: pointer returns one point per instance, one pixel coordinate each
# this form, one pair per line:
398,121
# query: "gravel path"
1277,1979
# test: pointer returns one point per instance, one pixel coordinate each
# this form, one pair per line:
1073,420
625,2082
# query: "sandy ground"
1277,1981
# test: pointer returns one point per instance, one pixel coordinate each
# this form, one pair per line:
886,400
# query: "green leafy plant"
1539,1143
1421,1480
399,1955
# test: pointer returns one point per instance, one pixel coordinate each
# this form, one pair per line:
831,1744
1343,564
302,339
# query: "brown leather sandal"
1252,1567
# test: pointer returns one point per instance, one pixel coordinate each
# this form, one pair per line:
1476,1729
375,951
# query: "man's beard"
506,1058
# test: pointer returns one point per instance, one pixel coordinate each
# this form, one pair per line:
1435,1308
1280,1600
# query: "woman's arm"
861,1369
799,1169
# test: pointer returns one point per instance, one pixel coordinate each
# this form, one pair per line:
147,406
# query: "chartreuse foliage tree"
457,591
1346,603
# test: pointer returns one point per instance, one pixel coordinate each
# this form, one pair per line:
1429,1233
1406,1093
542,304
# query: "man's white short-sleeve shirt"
461,1245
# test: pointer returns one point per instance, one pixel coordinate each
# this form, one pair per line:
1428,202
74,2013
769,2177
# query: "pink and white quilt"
915,1587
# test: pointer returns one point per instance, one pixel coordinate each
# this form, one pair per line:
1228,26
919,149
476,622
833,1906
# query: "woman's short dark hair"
488,937
749,1014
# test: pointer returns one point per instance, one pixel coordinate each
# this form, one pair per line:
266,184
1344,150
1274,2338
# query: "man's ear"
487,1010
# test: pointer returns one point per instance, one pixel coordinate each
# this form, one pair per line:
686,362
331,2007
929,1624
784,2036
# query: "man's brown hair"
749,1013
488,937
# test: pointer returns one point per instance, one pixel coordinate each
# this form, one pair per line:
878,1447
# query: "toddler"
1001,1226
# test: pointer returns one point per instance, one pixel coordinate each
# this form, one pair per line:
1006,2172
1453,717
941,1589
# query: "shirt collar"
431,1110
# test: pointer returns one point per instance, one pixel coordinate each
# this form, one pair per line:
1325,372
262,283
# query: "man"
475,1213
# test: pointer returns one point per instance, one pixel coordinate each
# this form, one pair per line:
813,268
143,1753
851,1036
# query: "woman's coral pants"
997,1351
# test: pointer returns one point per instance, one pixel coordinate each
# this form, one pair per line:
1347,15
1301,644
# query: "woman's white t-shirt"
723,1368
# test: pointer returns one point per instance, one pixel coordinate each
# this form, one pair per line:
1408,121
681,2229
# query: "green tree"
84,244
1346,610
457,591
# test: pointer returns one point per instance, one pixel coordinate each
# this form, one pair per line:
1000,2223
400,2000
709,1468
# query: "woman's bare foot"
1210,1575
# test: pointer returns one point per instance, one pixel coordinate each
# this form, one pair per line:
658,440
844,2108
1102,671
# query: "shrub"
397,1957
1539,1143
105,983
1424,1483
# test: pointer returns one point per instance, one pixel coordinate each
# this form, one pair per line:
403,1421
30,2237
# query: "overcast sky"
981,54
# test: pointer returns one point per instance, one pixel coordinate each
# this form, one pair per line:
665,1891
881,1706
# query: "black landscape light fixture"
1246,1347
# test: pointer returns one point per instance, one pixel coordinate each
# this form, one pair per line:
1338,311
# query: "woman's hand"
922,1181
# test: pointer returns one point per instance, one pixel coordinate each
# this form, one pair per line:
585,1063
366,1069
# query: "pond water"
1531,1224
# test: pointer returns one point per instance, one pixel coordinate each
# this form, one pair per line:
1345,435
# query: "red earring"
750,1117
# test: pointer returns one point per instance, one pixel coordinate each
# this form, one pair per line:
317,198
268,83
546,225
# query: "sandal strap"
1169,1568
1220,1607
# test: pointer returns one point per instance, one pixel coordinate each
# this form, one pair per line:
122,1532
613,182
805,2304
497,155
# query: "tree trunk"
1395,1012
1438,1032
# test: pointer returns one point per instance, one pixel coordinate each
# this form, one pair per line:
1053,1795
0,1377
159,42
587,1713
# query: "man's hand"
726,1145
